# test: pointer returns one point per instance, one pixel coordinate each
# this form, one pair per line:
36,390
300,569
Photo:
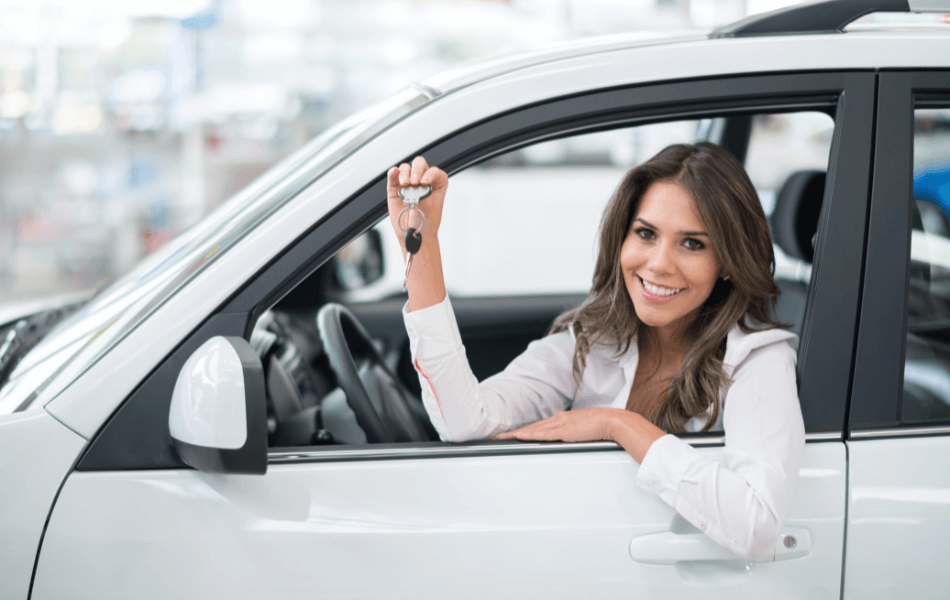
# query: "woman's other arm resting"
741,505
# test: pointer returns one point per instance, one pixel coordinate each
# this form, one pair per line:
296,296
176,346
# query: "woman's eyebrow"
687,233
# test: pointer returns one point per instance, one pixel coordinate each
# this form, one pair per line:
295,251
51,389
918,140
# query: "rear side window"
926,397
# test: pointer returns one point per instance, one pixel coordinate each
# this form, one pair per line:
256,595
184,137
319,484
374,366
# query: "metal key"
413,243
412,194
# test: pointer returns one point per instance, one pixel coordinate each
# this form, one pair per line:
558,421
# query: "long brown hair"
728,203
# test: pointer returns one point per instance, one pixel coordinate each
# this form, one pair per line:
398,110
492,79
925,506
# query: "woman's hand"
425,280
587,425
418,173
629,429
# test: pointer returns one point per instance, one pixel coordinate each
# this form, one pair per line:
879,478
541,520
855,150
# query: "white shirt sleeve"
741,504
536,385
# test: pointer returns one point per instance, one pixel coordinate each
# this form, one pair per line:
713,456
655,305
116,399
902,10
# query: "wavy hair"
728,203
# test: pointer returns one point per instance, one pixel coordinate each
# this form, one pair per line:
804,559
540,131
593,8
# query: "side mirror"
218,415
360,262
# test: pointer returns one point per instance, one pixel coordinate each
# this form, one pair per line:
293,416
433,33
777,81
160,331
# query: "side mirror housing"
218,415
359,263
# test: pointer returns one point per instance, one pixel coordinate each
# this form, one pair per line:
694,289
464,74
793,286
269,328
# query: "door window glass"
525,222
926,397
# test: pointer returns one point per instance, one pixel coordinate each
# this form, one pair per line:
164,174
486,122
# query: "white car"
218,424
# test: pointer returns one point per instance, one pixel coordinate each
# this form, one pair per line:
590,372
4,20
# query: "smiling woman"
675,336
696,259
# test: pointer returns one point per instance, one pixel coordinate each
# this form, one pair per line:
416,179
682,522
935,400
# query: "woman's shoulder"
768,346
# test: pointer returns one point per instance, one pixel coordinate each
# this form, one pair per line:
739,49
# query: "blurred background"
123,123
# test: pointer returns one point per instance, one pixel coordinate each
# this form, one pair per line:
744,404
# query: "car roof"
865,48
794,28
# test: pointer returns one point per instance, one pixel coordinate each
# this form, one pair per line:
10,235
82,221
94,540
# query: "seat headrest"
794,220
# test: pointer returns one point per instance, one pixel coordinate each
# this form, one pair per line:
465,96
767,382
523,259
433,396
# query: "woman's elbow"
761,538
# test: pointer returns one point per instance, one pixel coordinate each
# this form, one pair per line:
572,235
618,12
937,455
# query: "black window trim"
882,335
121,445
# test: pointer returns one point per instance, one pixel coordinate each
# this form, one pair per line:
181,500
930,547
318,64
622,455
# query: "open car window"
519,240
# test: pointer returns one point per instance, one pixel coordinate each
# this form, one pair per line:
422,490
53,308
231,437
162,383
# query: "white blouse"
740,504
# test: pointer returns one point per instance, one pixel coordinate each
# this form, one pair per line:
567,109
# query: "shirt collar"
738,346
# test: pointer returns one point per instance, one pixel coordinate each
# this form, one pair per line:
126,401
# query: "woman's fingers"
419,167
434,177
542,430
392,178
405,171
569,426
418,173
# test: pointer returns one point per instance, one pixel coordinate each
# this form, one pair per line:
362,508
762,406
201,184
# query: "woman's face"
668,259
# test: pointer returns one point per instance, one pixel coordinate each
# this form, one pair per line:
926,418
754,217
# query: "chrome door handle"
668,548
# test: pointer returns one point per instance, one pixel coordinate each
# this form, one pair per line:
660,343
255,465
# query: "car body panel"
898,518
36,455
687,55
421,528
13,311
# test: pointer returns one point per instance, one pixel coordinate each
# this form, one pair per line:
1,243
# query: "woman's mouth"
657,293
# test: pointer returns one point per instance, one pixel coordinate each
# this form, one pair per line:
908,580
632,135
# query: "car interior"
338,371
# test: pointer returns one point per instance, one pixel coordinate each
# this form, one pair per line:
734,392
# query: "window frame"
136,437
882,336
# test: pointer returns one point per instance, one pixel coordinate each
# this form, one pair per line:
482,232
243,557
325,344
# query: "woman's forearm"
633,432
426,282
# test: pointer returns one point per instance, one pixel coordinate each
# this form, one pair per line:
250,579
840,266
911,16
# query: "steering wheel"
385,409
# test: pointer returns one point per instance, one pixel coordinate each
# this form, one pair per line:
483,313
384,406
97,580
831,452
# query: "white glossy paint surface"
36,453
899,519
11,311
208,403
86,403
528,526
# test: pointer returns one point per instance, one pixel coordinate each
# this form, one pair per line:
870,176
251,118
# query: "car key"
413,243
411,195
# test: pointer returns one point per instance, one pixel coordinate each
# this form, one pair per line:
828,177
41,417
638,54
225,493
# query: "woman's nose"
661,259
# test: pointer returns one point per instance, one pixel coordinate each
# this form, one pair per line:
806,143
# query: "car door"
898,531
485,518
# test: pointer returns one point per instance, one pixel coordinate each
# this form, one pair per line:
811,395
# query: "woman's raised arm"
535,385
426,283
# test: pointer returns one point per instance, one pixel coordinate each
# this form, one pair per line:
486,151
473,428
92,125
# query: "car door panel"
29,439
899,518
898,526
536,524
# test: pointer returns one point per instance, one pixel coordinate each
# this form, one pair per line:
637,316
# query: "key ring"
410,210
411,195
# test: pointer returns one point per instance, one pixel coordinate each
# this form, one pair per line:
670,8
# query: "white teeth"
659,291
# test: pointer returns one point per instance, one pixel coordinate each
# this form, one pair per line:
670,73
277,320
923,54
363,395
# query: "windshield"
78,341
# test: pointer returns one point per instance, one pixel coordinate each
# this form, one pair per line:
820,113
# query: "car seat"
794,223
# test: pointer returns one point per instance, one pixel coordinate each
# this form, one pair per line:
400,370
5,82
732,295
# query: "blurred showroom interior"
124,122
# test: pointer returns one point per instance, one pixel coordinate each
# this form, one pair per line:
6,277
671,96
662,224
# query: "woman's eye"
693,244
645,234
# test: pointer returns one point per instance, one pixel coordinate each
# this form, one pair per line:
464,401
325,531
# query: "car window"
526,222
926,393
556,190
